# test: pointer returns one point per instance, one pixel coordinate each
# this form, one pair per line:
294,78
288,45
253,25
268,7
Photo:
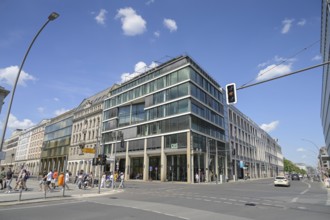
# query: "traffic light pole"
289,74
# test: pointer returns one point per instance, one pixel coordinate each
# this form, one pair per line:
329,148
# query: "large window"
168,125
124,115
176,141
138,113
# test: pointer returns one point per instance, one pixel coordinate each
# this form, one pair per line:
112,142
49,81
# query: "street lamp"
51,17
317,148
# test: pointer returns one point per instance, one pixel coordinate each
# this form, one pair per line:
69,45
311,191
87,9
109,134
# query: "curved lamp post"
51,17
316,147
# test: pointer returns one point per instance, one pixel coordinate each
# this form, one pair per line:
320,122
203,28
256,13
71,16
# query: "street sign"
89,150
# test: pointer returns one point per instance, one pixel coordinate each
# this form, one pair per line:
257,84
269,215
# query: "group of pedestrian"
51,179
109,180
84,180
6,178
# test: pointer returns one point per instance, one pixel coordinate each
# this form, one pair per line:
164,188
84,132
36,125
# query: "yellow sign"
89,150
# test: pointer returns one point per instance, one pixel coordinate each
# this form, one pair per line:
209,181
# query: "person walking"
103,180
197,178
67,180
19,179
3,178
25,177
112,181
122,177
60,182
49,180
43,180
54,179
9,177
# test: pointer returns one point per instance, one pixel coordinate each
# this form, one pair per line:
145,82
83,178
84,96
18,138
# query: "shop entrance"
177,168
154,168
199,167
136,168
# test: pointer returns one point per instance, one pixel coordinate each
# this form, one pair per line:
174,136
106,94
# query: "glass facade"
56,144
159,111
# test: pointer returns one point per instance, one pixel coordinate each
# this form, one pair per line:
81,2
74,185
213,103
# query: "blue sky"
94,44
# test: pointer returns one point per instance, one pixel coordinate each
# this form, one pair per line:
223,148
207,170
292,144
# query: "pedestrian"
49,180
43,180
91,176
197,178
54,178
26,176
3,178
19,179
122,177
67,179
80,180
60,181
112,181
103,178
9,177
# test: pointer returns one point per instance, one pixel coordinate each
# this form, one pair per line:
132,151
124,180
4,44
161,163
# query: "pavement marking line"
144,209
303,192
294,199
38,206
328,201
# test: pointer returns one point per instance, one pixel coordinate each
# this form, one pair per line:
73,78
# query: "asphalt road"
255,199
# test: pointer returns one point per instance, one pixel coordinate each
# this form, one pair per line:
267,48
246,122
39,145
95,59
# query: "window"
124,116
138,114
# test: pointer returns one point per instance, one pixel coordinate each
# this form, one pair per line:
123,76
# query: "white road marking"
294,199
328,201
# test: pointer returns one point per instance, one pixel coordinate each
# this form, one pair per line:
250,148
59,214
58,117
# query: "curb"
57,198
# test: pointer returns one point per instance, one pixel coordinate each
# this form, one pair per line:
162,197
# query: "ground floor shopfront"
173,163
249,168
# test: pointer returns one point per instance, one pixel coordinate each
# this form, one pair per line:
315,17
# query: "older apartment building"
254,153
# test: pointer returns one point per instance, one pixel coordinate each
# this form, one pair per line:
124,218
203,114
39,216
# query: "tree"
292,168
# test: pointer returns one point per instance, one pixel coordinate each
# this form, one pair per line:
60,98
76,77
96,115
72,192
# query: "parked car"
281,181
295,177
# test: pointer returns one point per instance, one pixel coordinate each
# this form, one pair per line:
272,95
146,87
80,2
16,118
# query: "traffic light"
104,160
231,96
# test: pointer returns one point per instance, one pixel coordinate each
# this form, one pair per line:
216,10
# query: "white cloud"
60,111
273,70
301,149
157,34
132,23
317,57
270,127
14,123
41,110
56,99
101,17
8,75
149,2
287,23
139,68
170,24
261,65
302,22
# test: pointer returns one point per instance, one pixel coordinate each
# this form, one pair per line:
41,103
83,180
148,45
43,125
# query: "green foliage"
292,168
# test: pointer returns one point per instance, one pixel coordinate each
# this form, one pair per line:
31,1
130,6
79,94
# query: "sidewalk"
33,194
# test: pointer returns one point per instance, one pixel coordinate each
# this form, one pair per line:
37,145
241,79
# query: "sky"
94,44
